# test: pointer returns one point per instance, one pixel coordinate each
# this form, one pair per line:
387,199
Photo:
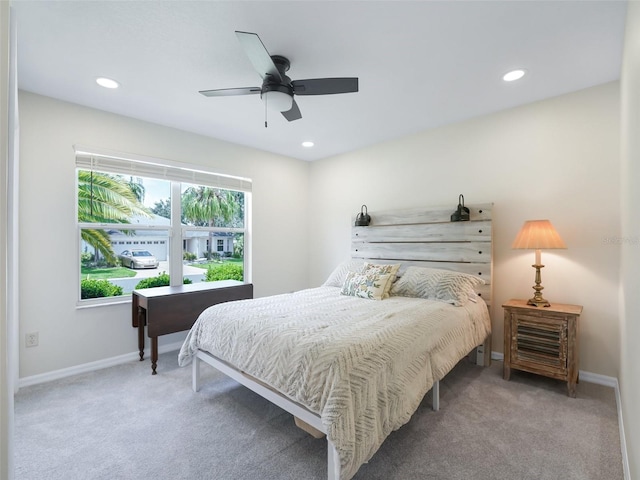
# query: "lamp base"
538,302
537,299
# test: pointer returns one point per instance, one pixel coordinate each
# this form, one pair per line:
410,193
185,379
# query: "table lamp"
537,235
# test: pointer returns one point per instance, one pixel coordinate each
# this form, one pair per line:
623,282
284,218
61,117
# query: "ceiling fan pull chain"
265,111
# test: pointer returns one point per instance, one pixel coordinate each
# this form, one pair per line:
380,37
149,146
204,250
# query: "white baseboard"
599,379
623,441
90,367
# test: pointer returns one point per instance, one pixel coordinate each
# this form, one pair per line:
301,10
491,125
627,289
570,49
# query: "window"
145,222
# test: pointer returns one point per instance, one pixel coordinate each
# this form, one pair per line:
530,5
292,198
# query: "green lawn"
214,264
106,273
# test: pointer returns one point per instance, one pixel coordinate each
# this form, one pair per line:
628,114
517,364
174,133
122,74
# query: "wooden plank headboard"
426,237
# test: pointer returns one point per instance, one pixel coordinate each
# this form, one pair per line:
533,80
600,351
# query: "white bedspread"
362,365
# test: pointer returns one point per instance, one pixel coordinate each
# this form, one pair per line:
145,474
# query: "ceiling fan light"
278,101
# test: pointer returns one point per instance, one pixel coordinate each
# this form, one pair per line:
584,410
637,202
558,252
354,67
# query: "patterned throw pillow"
436,284
336,279
365,285
391,269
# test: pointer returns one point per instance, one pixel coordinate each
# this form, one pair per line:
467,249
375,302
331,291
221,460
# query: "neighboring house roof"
159,221
155,220
200,233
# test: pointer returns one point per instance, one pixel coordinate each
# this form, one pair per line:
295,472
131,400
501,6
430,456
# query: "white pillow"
339,274
436,284
365,285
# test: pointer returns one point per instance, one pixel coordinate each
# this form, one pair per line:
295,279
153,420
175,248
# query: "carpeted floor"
124,423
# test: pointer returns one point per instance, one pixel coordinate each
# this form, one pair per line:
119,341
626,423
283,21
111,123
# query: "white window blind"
90,158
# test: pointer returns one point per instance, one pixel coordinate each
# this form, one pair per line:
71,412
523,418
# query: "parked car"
138,259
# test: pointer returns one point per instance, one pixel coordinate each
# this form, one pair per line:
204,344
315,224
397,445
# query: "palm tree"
205,205
104,198
137,188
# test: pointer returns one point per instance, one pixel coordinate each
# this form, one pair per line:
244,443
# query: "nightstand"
542,340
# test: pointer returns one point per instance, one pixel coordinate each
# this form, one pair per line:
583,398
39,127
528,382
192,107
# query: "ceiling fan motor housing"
278,93
276,87
281,63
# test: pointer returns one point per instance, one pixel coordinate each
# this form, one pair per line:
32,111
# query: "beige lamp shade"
538,235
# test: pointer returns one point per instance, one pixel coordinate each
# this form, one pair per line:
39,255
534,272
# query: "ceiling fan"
277,90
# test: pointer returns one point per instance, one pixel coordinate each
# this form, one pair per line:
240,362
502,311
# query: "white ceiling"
421,64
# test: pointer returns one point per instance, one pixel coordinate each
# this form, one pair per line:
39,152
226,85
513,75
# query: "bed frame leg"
333,461
483,353
195,373
435,396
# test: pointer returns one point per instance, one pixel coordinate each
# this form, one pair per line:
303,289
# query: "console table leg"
141,323
154,354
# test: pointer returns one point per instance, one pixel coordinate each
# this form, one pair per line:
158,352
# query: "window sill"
101,302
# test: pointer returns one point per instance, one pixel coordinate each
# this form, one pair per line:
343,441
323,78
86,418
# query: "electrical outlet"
31,339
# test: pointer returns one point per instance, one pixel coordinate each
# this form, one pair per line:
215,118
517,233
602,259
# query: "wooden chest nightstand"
542,340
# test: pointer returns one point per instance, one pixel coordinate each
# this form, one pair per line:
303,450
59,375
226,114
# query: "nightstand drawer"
537,345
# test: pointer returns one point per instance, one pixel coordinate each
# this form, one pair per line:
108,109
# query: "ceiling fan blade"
325,86
226,92
293,113
258,55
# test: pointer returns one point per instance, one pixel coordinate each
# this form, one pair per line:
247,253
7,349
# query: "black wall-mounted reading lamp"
462,213
363,218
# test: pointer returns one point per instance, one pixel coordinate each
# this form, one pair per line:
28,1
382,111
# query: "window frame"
177,174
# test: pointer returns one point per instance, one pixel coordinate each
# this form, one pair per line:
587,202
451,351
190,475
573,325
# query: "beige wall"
556,159
630,278
48,251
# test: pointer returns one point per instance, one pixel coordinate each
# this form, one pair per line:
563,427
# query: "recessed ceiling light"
307,144
107,82
514,75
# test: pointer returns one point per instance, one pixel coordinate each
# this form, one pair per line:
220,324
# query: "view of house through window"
126,228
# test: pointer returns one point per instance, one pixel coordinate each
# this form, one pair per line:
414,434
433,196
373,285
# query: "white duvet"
362,365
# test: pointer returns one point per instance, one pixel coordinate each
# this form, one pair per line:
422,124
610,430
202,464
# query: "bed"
353,358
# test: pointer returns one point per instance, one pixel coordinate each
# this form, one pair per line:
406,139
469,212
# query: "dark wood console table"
174,309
